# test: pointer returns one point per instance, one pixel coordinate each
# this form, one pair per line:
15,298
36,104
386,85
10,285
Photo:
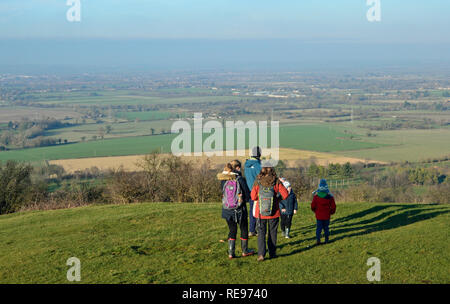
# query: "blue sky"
404,21
226,33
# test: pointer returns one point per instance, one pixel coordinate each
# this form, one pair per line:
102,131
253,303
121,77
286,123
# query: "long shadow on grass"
405,215
356,215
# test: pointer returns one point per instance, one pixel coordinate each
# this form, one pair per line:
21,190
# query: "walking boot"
231,248
245,250
287,233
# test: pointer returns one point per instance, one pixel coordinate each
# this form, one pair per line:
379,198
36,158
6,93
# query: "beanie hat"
323,186
256,152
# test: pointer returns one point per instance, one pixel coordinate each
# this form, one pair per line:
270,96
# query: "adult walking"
252,169
266,193
234,206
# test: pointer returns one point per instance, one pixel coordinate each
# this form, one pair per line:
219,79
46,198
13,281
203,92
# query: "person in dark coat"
288,208
252,168
238,216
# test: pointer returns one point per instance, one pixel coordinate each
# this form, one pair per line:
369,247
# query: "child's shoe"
287,234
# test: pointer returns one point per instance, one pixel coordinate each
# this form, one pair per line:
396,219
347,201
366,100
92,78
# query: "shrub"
15,186
439,194
128,187
166,179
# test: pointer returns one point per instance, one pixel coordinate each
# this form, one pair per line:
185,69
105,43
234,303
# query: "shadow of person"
401,216
351,217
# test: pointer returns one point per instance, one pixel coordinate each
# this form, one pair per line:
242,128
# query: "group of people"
270,198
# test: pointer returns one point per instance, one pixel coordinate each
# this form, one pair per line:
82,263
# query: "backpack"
265,196
231,190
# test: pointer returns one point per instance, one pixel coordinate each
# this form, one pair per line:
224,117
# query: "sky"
401,20
407,26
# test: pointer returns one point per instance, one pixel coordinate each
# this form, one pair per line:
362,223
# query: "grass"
179,243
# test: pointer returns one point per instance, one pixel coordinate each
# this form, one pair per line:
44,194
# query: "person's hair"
228,167
268,171
235,163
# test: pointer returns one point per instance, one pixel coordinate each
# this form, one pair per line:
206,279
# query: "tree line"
172,179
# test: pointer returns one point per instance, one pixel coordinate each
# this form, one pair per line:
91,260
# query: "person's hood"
322,194
226,175
238,173
267,181
251,162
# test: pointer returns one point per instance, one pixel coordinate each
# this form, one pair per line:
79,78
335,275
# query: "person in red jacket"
324,206
265,194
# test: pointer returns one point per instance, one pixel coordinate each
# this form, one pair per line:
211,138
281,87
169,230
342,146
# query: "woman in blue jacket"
252,169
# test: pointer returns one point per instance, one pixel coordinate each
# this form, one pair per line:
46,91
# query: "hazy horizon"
172,54
200,34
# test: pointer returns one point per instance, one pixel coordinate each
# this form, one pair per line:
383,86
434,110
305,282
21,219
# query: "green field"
321,138
107,147
398,145
122,129
128,98
401,145
179,243
307,137
150,115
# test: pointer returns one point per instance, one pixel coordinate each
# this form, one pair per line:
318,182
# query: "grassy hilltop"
179,243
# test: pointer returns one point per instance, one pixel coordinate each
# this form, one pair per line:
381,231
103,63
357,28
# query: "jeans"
252,218
272,238
322,224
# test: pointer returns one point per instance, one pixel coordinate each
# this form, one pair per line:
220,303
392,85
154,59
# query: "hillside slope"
179,243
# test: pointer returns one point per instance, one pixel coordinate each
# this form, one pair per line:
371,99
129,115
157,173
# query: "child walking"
266,210
288,208
324,206
234,208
